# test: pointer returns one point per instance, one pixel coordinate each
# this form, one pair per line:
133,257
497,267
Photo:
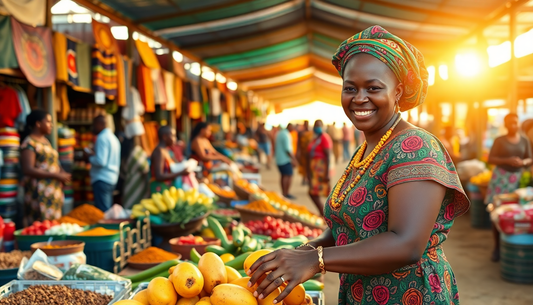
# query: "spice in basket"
56,295
12,259
99,231
152,255
260,206
220,192
68,219
87,213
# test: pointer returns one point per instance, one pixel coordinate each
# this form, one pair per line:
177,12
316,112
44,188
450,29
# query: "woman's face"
45,125
206,132
369,94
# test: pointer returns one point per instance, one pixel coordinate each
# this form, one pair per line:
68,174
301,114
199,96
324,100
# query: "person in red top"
318,168
9,103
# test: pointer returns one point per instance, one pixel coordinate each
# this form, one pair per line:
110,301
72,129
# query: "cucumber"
238,236
284,247
246,231
195,256
219,232
238,262
313,285
293,241
249,246
163,267
134,285
243,273
218,250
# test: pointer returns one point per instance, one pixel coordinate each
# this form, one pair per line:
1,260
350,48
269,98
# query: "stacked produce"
277,228
296,211
173,206
481,179
222,192
260,206
39,228
190,240
225,216
87,213
211,282
98,231
248,188
152,255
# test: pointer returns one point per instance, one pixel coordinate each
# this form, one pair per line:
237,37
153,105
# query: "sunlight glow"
443,72
431,76
468,64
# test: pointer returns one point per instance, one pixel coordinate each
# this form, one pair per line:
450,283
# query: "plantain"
150,206
158,202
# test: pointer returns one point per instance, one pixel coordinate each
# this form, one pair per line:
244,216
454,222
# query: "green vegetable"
293,241
238,262
313,285
247,232
163,267
195,256
134,285
184,213
238,236
243,273
284,247
218,250
250,245
219,232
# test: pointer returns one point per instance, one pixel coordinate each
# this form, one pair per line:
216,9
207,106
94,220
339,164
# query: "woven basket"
247,215
241,193
225,200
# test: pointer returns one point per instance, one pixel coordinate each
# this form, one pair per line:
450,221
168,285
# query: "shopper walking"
43,175
318,168
285,159
510,154
264,143
394,206
105,163
304,139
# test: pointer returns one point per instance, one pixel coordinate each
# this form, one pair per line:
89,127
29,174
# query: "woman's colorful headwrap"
401,57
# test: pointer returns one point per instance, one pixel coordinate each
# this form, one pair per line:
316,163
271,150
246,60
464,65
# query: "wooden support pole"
50,92
513,72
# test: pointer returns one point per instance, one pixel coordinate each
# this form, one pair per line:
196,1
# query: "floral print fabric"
43,198
411,155
502,182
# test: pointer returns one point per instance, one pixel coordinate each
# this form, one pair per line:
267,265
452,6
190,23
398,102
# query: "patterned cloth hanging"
104,72
8,60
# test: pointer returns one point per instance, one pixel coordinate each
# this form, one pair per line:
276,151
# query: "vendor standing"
163,157
510,154
105,164
393,207
43,175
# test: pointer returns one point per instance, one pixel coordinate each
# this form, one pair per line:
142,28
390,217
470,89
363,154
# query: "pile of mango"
297,211
482,179
211,282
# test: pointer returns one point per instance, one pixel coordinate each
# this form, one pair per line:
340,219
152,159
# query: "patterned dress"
411,155
43,197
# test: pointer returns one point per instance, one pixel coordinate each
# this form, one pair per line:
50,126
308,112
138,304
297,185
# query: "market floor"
467,249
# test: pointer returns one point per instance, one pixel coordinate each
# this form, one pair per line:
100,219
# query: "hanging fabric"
83,64
60,52
72,66
195,110
31,12
132,114
215,102
8,60
136,184
104,72
62,101
10,105
178,96
35,56
178,69
24,105
169,80
160,96
146,87
147,55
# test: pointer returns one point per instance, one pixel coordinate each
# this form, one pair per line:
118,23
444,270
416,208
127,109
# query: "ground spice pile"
152,255
98,231
87,213
55,295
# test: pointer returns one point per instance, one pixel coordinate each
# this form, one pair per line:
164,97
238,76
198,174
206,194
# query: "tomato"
268,219
268,232
55,223
38,232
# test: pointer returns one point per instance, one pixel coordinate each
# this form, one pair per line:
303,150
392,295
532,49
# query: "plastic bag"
37,268
117,212
81,272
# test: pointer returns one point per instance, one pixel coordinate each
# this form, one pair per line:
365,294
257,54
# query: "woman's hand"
515,162
63,177
295,266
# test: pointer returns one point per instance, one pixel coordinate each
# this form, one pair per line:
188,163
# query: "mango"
128,302
161,292
213,270
187,280
230,294
269,299
142,297
232,274
252,258
188,301
243,282
204,301
296,297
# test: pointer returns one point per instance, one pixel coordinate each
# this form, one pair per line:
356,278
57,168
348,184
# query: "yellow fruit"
269,300
226,257
296,297
142,297
204,301
150,206
232,274
188,301
308,300
203,294
168,200
213,270
230,294
171,270
187,280
158,202
252,258
207,233
243,282
161,292
128,302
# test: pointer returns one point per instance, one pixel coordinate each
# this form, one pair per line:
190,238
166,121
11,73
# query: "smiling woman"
393,207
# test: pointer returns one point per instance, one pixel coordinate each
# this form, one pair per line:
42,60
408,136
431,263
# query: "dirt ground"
467,249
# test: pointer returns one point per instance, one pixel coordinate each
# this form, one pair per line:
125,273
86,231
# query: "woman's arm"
158,164
211,154
495,157
413,209
325,240
29,169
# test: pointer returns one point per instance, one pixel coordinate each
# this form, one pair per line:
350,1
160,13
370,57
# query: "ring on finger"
282,279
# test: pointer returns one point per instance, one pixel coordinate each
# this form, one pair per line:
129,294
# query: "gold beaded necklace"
357,163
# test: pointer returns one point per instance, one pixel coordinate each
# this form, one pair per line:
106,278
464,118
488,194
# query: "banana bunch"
169,200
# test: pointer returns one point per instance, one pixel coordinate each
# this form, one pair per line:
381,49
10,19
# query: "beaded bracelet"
306,245
321,260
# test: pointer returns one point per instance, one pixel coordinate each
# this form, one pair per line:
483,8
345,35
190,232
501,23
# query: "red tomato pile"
38,228
277,228
191,240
